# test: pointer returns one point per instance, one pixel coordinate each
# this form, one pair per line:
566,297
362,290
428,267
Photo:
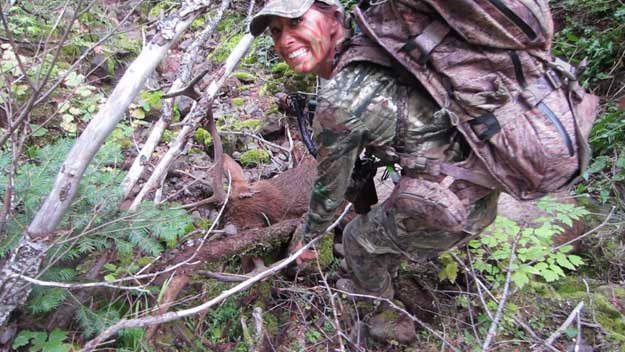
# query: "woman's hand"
306,256
298,242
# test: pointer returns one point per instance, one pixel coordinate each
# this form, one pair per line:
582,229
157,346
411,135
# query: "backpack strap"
427,41
413,166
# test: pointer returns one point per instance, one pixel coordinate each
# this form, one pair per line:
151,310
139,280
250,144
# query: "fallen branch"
337,324
575,313
75,285
492,331
163,318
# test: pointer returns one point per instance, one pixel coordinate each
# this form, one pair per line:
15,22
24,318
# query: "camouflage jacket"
365,105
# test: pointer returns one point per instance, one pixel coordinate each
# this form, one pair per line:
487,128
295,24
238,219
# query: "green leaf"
74,79
556,269
45,299
520,278
22,339
549,275
450,272
84,91
38,131
575,260
37,337
57,336
563,261
109,278
138,113
570,332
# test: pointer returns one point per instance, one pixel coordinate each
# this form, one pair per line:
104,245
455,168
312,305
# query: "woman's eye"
275,31
295,21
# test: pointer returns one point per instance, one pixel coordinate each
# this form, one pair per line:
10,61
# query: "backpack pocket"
532,149
429,205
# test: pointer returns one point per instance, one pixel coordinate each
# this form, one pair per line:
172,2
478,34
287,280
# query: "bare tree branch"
575,313
492,331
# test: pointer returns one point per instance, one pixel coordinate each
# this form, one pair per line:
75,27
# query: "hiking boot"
349,286
390,324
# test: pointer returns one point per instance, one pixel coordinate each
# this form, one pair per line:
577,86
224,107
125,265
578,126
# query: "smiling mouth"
298,53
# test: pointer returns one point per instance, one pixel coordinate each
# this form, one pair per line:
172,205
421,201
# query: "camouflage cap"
284,8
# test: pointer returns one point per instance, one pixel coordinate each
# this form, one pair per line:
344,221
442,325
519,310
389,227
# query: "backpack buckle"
414,165
553,79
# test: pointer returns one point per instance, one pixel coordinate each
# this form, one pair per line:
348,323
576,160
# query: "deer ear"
236,172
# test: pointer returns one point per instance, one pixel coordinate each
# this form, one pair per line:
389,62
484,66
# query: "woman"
364,104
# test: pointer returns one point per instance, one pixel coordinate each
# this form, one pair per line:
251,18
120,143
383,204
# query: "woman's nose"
287,38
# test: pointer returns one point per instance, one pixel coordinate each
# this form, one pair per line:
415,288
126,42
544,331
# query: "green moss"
251,124
204,224
326,255
203,137
156,10
264,289
229,22
168,136
254,157
244,76
198,23
273,109
271,322
238,102
543,289
223,51
280,67
608,315
569,288
610,318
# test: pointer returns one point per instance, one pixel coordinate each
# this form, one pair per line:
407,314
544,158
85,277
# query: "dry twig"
575,313
502,303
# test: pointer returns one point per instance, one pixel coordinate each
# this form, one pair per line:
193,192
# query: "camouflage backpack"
487,63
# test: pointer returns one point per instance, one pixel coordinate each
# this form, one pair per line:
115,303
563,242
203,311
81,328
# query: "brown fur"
266,202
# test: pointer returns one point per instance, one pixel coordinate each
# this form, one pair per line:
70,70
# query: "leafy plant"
534,246
40,341
534,255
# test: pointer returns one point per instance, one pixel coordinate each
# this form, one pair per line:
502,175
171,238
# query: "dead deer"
266,202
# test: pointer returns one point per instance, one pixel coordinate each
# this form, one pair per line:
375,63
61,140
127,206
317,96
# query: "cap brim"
260,22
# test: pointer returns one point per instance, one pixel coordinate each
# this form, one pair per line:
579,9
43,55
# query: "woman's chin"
301,69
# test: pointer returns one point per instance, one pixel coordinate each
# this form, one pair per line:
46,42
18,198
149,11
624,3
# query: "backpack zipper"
556,122
518,21
520,77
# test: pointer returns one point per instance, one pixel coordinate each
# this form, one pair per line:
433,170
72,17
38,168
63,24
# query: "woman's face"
307,43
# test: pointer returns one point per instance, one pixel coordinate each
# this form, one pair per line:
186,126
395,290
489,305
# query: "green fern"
93,322
45,299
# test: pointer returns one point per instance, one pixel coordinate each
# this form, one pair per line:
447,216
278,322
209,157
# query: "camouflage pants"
412,227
